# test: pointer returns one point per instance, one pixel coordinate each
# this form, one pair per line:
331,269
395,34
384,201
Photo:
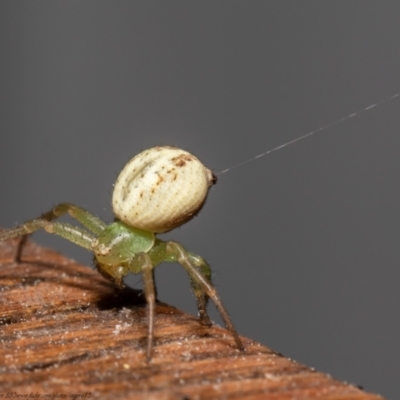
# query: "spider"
157,191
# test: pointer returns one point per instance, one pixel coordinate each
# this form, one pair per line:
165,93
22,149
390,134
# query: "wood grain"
68,333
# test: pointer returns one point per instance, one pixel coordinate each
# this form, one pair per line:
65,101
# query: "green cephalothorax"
158,190
115,248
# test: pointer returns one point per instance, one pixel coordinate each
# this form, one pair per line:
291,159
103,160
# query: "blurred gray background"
304,243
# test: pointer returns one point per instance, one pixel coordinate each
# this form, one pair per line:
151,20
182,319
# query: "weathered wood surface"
68,333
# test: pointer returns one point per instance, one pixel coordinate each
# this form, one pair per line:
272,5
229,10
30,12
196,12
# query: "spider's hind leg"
201,295
186,260
150,293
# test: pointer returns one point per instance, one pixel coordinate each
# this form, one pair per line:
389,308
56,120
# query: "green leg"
201,295
159,254
149,291
183,257
88,220
74,234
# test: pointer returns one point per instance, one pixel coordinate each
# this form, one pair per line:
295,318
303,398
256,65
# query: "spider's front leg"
186,260
72,233
87,219
75,235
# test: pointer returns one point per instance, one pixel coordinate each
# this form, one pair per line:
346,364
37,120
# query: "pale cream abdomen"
160,189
